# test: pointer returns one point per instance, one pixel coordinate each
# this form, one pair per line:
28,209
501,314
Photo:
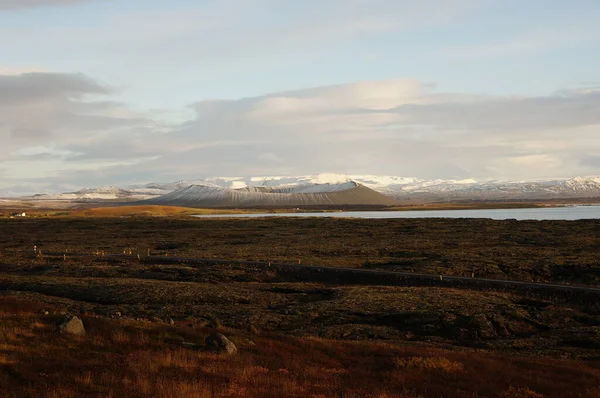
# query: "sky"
123,92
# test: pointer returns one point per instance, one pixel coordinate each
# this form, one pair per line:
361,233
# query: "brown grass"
136,359
148,211
429,364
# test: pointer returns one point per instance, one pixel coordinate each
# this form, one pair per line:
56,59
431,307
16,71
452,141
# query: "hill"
348,193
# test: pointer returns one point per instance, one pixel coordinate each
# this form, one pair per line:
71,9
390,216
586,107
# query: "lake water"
546,213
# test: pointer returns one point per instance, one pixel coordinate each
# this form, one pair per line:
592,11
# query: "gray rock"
219,343
72,325
188,344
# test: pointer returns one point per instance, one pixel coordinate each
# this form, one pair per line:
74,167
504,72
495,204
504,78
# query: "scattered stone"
253,329
499,323
170,321
484,328
118,314
44,312
188,344
174,338
72,325
219,343
215,323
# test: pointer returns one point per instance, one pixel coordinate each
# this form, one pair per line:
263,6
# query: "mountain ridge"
410,189
346,194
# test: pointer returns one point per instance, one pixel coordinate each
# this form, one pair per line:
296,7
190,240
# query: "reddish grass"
138,359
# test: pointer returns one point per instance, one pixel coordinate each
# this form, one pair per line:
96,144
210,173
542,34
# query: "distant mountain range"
334,189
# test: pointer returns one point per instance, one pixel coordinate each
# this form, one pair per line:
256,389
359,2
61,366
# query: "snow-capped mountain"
403,188
103,193
578,187
346,193
422,189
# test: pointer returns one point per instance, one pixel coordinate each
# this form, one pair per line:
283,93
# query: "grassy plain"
108,209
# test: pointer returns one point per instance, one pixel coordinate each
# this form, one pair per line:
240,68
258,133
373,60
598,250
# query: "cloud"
509,114
48,107
402,127
397,126
270,157
38,86
20,4
212,31
47,119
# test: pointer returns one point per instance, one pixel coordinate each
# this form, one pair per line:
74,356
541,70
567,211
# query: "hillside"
349,193
103,193
409,188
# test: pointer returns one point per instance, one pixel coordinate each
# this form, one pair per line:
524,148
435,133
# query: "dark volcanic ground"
557,251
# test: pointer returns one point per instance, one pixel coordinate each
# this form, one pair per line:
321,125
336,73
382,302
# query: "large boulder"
71,325
219,343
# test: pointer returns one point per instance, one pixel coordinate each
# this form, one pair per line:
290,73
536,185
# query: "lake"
545,213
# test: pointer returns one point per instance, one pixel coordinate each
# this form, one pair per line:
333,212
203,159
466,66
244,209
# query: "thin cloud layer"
53,108
48,118
19,4
403,127
399,127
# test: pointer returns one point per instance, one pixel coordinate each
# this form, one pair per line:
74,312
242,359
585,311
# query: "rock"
72,325
219,343
44,312
484,328
188,344
499,323
118,314
215,323
253,329
174,338
170,321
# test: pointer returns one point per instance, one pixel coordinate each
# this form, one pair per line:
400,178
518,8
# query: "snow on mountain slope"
172,186
104,193
349,193
578,187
